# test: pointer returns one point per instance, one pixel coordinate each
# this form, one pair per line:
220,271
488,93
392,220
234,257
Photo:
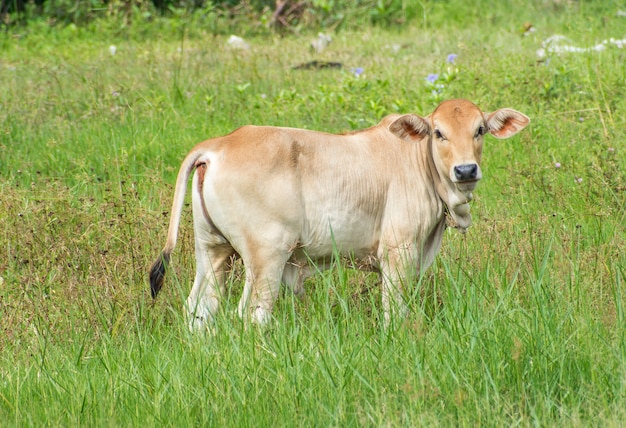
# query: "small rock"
237,42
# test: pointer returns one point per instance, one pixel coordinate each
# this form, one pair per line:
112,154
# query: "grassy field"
519,322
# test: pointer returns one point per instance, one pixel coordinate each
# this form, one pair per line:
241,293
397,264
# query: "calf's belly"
358,239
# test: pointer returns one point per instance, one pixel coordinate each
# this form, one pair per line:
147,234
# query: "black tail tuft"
157,274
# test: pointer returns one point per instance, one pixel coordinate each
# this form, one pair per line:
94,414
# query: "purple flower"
557,165
579,180
451,58
432,78
357,71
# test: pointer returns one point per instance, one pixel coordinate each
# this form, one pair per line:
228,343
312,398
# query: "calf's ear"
410,127
506,122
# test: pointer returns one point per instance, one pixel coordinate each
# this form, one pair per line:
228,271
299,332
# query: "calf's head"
457,128
454,132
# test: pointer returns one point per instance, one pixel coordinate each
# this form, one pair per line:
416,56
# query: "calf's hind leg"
294,274
213,253
208,287
264,272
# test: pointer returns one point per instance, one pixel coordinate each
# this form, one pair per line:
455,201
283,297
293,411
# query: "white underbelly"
338,231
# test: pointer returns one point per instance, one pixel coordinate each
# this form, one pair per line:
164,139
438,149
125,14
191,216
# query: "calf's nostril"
466,172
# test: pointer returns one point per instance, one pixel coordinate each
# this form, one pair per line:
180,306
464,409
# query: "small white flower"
112,49
321,42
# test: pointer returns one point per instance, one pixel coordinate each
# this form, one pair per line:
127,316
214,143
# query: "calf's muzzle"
466,172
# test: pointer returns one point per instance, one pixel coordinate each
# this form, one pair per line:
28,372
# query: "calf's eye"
480,132
439,135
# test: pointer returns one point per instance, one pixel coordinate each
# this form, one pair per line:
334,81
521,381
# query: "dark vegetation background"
282,14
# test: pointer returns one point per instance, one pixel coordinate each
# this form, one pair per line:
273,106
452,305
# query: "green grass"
519,322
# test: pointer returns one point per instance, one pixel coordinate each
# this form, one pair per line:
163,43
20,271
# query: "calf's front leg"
398,273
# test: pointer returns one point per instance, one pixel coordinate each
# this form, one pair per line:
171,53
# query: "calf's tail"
157,271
